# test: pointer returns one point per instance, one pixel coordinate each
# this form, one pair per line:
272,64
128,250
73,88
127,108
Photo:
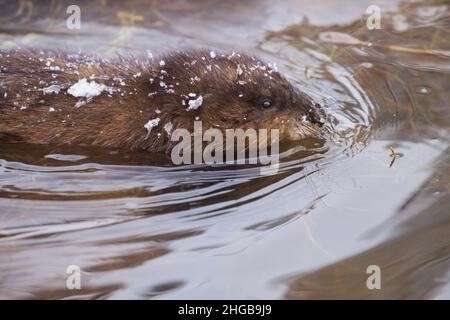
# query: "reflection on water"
140,228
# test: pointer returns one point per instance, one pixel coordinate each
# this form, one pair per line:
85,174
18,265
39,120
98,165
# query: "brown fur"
117,119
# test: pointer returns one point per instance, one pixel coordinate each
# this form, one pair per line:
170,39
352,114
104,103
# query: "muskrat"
69,99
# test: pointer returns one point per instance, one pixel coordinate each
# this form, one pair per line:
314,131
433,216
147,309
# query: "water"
374,191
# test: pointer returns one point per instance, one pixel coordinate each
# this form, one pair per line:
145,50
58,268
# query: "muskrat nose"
314,114
311,111
317,114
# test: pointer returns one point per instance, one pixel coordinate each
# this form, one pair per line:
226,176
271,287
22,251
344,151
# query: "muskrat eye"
266,103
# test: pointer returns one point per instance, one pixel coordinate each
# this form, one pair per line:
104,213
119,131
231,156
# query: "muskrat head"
230,91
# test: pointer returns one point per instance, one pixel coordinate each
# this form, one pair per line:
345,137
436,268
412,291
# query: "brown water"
141,229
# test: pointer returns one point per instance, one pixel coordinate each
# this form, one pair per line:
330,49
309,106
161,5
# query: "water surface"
373,191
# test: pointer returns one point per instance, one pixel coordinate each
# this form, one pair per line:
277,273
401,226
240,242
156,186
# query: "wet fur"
117,120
